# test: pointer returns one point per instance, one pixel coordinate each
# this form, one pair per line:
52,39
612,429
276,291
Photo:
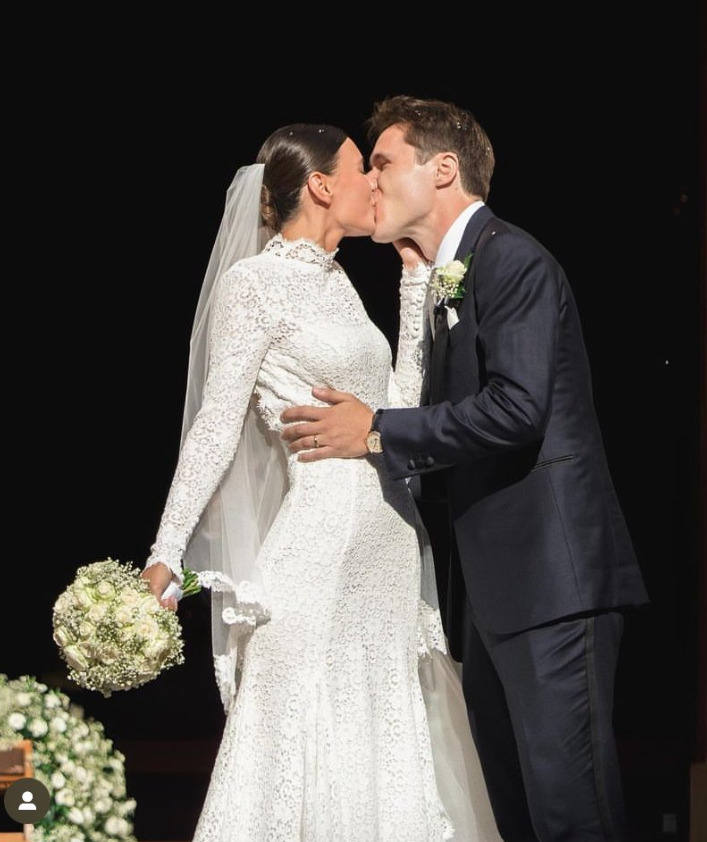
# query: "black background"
123,134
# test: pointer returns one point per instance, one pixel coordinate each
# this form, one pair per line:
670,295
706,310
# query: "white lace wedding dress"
329,737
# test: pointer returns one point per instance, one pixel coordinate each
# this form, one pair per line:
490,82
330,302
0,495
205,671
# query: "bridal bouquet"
112,632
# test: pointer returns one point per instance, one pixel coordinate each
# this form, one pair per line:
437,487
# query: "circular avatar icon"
27,801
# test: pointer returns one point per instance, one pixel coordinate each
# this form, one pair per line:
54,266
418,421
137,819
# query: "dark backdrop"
125,133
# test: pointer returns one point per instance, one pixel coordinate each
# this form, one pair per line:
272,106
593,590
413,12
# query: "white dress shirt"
445,254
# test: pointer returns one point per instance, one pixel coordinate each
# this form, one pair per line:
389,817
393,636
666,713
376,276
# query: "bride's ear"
318,185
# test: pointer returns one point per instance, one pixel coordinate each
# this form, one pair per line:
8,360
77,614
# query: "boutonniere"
447,283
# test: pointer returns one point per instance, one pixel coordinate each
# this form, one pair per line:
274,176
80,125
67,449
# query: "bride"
345,716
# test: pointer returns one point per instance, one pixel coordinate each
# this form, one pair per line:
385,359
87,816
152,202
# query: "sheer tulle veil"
225,545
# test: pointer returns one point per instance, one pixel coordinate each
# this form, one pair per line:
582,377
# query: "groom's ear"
446,168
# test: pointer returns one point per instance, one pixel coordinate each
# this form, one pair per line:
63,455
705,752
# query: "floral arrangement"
112,632
448,281
73,758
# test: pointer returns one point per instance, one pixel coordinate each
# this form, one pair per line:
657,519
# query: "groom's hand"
325,432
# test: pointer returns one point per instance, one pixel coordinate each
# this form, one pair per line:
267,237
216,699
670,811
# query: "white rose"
86,630
38,727
149,605
81,730
51,700
76,658
65,797
88,816
105,590
16,721
130,598
102,805
62,637
157,650
58,780
23,699
68,768
84,596
75,815
97,612
58,724
109,655
64,602
113,825
146,628
124,615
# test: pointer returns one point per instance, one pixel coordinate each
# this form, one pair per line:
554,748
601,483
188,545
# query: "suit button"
411,465
429,461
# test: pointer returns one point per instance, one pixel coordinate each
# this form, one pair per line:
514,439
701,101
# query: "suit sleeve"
518,312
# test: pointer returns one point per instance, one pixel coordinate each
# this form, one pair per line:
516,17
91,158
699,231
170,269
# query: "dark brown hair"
290,155
433,126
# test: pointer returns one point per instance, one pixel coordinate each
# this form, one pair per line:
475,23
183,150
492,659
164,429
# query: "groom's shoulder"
516,236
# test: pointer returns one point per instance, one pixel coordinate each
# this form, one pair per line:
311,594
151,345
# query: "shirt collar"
450,242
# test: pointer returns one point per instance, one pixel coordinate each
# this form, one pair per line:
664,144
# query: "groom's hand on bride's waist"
324,432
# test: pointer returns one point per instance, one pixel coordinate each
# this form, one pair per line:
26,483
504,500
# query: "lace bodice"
284,321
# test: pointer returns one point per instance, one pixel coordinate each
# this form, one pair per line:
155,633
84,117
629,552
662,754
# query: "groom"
542,565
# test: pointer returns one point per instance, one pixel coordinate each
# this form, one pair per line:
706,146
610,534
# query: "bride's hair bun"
268,211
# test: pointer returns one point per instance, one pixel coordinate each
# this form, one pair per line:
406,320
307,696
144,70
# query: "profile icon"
27,801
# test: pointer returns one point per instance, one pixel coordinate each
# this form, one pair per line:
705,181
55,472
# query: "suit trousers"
540,706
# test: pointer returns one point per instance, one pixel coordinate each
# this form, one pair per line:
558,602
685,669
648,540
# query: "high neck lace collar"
306,250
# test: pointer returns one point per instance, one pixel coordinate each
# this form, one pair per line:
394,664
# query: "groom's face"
406,188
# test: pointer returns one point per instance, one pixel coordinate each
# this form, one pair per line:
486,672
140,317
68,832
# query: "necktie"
439,349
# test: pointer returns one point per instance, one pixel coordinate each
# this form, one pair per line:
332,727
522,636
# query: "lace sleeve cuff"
419,276
174,566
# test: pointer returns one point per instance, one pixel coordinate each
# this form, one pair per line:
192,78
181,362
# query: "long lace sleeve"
242,329
409,380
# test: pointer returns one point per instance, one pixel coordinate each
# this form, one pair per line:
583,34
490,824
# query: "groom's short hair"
433,126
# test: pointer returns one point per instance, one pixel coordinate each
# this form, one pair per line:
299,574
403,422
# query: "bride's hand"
158,576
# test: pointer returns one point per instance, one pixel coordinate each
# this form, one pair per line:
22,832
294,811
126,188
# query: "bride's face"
352,190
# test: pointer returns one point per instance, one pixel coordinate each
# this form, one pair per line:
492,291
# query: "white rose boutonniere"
447,287
447,283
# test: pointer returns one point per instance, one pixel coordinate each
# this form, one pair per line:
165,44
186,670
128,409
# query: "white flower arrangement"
112,632
73,758
447,282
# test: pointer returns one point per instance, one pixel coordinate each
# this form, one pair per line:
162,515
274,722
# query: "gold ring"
316,443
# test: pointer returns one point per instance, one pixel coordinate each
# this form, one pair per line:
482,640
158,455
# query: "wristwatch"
373,439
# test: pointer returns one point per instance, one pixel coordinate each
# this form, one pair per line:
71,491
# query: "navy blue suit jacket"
537,523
